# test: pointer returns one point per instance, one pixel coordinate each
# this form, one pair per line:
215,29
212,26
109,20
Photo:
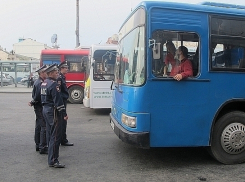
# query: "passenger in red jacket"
184,69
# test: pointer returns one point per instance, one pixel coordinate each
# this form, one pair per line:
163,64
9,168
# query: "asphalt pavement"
19,88
98,155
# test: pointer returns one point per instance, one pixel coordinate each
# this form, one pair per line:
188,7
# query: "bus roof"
103,47
65,52
206,7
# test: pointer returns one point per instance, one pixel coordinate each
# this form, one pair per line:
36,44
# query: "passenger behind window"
230,57
195,62
237,54
169,59
184,68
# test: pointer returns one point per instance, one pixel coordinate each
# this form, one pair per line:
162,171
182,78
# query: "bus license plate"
112,125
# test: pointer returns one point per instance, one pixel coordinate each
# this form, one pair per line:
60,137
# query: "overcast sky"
40,19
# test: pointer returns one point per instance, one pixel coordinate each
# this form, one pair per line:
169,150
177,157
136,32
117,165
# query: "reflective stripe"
60,107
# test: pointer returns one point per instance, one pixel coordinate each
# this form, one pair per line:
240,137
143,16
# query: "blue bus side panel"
180,117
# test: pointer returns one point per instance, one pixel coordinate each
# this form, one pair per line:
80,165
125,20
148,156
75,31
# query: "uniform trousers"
54,129
40,128
64,126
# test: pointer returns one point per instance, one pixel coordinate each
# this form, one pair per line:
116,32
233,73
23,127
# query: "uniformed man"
40,125
63,67
53,110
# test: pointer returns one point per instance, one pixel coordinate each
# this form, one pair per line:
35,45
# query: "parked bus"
100,73
75,78
151,109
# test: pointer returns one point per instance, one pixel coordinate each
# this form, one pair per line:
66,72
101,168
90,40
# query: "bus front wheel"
75,95
228,138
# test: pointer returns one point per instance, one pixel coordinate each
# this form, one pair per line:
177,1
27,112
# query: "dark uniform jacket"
63,88
36,93
50,95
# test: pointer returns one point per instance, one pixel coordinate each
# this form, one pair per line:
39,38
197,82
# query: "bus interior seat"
242,63
195,62
222,59
229,57
237,55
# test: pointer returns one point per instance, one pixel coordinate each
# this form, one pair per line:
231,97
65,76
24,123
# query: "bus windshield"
104,61
130,66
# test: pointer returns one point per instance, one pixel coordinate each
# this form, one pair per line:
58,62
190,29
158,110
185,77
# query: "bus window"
76,63
227,44
169,42
131,62
50,59
84,63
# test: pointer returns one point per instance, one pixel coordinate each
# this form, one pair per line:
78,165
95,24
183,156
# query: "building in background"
7,56
3,54
29,48
113,39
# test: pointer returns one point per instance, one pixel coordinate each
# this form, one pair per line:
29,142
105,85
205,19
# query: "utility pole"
77,26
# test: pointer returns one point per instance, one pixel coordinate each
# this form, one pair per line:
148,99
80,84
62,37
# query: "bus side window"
229,58
237,55
241,63
221,58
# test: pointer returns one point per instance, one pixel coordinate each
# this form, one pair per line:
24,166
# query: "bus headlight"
129,121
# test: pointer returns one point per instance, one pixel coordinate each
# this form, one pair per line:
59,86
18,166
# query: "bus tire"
228,138
75,94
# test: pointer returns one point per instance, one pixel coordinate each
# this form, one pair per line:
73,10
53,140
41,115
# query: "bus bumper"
139,139
86,102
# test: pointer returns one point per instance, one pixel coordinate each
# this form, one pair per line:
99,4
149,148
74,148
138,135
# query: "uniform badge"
59,82
58,88
43,91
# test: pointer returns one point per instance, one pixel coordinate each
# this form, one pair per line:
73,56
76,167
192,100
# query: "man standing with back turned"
63,67
40,126
53,111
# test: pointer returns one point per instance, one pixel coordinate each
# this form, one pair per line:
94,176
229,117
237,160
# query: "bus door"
177,98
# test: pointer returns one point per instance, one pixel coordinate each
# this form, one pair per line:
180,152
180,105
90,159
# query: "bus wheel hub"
76,94
233,138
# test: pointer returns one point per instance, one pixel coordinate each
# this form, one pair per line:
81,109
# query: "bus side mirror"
155,48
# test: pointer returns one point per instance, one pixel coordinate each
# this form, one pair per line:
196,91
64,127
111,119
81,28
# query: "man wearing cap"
63,67
40,125
53,110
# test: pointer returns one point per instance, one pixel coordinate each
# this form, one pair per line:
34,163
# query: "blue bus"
152,109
